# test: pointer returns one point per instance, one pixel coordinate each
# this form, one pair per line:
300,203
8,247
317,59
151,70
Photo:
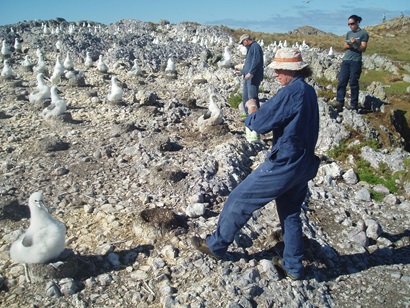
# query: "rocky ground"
133,180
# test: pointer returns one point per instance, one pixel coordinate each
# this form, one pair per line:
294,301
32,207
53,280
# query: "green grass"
383,175
404,175
344,149
235,98
393,84
376,196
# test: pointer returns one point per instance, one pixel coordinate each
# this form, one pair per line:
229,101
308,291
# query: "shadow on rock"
11,209
94,265
354,263
323,263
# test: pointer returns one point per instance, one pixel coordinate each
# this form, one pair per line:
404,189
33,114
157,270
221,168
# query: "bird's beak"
41,205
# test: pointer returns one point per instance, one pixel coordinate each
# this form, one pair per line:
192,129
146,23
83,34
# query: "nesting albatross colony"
128,131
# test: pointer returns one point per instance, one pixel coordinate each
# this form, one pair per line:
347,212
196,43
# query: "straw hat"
243,37
288,59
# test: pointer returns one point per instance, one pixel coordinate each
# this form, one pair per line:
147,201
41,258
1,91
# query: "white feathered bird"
101,66
27,64
44,240
41,65
331,52
55,79
88,60
116,91
17,45
58,46
135,70
59,66
68,62
170,65
226,60
41,92
57,107
5,49
214,115
58,71
7,72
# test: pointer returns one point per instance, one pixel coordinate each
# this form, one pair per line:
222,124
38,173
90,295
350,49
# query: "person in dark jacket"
293,117
252,70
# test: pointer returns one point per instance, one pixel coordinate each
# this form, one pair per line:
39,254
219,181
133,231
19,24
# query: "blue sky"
264,15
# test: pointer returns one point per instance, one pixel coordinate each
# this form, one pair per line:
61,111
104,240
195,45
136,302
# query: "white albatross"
331,52
17,45
44,240
41,65
42,91
170,65
27,64
226,60
214,115
135,70
7,72
88,60
5,49
101,66
57,107
116,91
59,66
68,62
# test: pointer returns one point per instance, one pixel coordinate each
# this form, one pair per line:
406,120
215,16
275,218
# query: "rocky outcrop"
307,30
134,181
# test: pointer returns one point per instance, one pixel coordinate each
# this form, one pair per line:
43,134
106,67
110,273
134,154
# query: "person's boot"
277,261
201,245
338,106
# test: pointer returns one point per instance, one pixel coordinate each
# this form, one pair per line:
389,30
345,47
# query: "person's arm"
362,47
349,42
356,43
346,45
276,111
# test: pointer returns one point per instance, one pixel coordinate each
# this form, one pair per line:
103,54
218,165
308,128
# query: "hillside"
133,179
390,39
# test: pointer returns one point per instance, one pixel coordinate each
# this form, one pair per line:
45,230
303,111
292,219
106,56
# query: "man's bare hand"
248,76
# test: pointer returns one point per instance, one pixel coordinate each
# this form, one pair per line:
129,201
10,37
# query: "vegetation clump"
383,175
235,98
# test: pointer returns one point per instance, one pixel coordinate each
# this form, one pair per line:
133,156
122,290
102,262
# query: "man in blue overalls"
292,115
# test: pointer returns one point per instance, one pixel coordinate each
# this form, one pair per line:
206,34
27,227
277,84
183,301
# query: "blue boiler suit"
292,115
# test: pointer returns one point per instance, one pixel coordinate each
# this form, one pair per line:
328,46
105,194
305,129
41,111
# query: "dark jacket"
293,117
254,62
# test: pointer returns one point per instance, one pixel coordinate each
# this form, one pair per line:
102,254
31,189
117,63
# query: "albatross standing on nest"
116,92
41,92
214,115
44,239
57,107
101,66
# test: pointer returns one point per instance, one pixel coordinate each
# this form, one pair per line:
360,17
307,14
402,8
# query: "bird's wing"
50,107
27,241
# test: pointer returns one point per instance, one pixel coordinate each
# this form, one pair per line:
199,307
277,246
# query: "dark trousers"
350,72
250,90
262,186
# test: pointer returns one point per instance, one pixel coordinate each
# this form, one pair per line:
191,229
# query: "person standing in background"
351,68
252,70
